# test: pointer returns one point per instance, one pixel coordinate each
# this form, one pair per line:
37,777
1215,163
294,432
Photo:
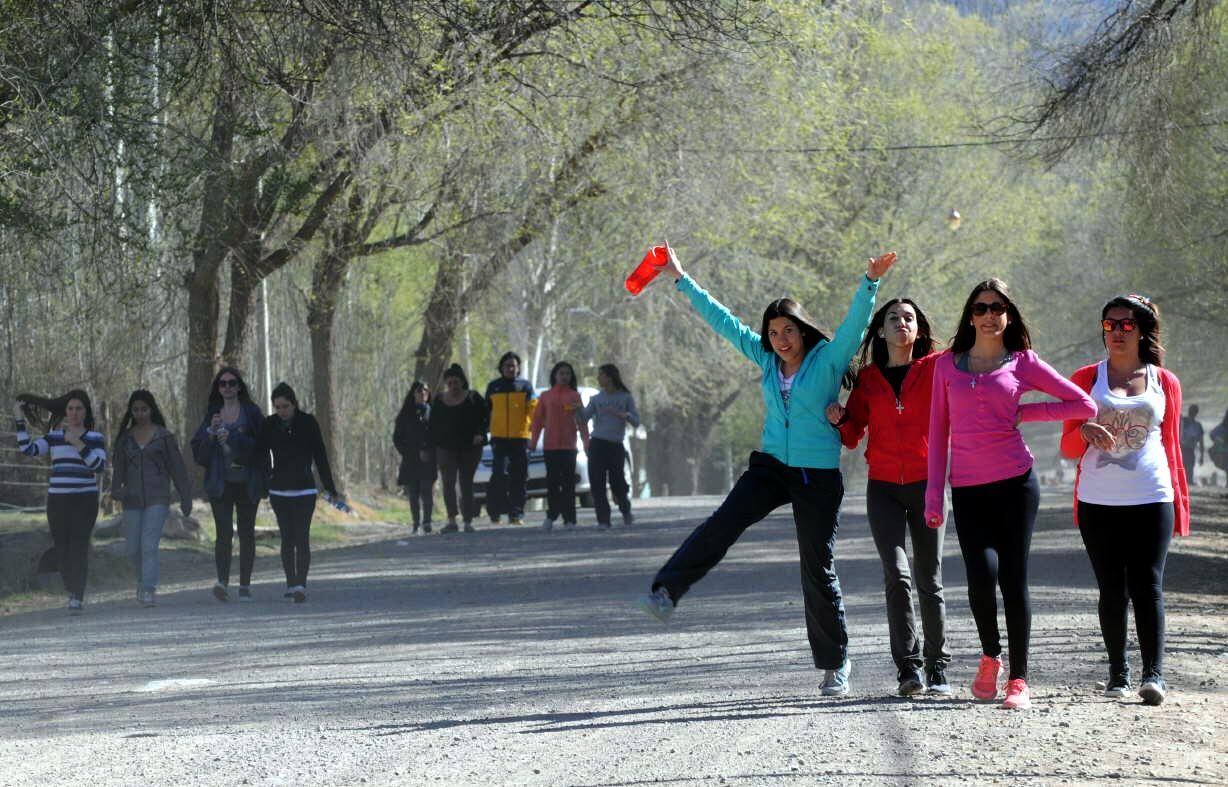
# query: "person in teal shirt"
799,462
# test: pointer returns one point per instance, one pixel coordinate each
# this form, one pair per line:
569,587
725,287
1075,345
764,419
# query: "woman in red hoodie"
892,399
557,412
1131,493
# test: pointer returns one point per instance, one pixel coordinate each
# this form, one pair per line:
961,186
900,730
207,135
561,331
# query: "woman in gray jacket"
146,461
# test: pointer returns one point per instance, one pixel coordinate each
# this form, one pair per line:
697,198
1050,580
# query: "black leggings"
294,521
1128,546
234,498
421,493
561,485
994,523
71,518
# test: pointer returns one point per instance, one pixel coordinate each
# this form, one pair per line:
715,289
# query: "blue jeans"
144,531
506,492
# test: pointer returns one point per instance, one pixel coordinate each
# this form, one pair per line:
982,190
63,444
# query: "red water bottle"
652,264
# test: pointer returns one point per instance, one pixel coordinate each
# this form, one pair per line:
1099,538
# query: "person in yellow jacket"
512,401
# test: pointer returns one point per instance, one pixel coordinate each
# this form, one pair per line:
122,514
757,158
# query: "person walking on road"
1131,494
891,399
558,413
459,419
611,409
224,445
1193,447
512,400
290,442
802,370
146,460
78,456
975,412
412,439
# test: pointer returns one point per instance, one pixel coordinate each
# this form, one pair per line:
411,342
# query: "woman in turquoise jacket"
798,464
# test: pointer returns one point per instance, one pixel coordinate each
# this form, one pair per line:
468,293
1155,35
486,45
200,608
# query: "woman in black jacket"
459,419
288,445
413,440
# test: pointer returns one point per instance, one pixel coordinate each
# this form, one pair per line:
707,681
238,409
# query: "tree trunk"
443,315
327,279
209,252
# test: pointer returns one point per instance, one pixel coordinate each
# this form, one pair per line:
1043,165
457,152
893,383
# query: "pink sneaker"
985,685
1017,695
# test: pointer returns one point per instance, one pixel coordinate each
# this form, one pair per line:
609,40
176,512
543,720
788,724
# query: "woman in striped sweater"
78,455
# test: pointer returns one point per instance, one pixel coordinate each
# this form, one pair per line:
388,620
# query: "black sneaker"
1153,690
628,519
417,527
910,683
936,681
1118,684
426,528
245,594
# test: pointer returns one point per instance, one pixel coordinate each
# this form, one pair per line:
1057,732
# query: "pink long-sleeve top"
973,420
556,413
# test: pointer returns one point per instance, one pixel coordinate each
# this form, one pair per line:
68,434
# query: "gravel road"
514,656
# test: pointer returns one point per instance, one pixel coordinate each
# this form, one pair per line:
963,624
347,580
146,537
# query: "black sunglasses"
228,383
980,309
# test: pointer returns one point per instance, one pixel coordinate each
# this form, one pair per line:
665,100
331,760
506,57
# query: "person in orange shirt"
557,413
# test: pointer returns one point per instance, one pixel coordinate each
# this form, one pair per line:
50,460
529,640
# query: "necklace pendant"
974,382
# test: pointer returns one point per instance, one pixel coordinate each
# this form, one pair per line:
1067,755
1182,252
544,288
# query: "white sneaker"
548,525
147,599
836,681
569,525
658,604
75,607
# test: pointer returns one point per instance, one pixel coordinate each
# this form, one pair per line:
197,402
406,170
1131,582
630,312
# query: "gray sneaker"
1153,690
658,604
548,524
148,600
836,681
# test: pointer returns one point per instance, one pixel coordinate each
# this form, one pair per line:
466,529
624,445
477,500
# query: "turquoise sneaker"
836,681
658,604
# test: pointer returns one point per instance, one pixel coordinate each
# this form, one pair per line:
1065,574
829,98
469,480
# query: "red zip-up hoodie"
899,428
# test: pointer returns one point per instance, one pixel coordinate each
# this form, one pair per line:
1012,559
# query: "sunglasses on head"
228,383
981,309
1126,324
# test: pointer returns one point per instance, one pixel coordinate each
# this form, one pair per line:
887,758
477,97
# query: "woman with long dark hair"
891,398
611,409
975,410
1131,493
224,445
78,456
557,412
146,461
290,442
412,438
459,419
802,370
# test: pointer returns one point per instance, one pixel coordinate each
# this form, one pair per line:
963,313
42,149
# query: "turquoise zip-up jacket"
802,436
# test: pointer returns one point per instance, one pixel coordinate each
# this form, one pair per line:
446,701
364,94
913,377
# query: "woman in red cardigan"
892,399
1130,491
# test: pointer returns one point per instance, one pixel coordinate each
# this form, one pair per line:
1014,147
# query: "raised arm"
713,312
853,329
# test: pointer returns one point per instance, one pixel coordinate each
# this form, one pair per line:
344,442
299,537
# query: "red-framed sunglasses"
1126,324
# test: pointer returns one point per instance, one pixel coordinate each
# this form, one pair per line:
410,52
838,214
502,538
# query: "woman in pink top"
975,413
558,413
